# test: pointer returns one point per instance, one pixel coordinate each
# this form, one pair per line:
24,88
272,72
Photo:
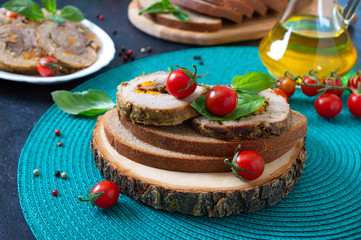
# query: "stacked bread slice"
207,15
176,167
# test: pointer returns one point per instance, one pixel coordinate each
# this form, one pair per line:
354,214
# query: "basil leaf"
247,104
59,20
155,8
253,82
26,8
88,103
166,4
49,5
71,13
180,15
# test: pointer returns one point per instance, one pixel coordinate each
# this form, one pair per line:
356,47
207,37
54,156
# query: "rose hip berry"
57,132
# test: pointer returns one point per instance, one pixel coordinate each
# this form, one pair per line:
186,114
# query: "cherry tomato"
310,91
334,82
252,162
48,67
281,93
221,100
288,85
354,80
11,14
328,105
354,105
178,80
290,94
103,195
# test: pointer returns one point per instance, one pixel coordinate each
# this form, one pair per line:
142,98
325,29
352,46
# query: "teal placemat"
325,203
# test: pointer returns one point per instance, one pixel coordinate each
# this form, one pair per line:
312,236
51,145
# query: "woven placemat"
325,203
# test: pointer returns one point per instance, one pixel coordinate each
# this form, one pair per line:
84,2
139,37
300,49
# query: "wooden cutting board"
249,29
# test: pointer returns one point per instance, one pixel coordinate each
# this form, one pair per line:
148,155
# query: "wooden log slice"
210,194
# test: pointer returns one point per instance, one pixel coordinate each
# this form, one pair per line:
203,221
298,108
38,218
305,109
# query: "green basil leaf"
155,8
253,82
247,104
180,15
88,103
49,5
59,20
71,13
26,8
167,5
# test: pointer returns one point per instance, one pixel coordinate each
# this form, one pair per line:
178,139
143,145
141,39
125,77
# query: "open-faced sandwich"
44,41
177,145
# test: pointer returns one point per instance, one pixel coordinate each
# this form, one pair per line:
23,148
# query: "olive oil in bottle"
307,42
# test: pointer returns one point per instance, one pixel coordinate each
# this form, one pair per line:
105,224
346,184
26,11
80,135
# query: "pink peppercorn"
130,51
57,132
125,58
101,17
55,193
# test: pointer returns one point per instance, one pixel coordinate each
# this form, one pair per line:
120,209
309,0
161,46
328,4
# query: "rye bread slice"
197,22
71,43
161,109
276,5
183,138
258,6
274,121
18,51
124,142
236,5
210,9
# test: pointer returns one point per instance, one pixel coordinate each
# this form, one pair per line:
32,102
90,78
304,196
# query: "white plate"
105,55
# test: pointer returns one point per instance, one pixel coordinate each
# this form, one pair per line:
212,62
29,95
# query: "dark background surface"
21,105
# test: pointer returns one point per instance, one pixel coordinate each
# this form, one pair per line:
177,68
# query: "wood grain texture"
249,29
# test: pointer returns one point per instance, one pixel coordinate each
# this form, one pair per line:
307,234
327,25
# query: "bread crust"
190,143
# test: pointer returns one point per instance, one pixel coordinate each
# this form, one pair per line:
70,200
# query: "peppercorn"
125,58
197,57
36,172
130,51
149,48
63,175
143,50
120,54
114,32
101,17
57,132
200,63
55,193
132,58
57,174
124,48
60,144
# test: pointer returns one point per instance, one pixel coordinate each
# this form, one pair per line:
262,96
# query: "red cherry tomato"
48,67
252,162
11,14
354,105
103,195
310,91
334,82
328,105
290,94
221,100
281,93
354,80
178,80
288,85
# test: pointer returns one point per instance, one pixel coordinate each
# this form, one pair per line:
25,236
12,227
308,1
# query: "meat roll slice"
18,51
71,43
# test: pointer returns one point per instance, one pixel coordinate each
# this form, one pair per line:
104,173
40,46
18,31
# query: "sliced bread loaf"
210,9
145,100
274,121
197,22
236,5
183,138
124,142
